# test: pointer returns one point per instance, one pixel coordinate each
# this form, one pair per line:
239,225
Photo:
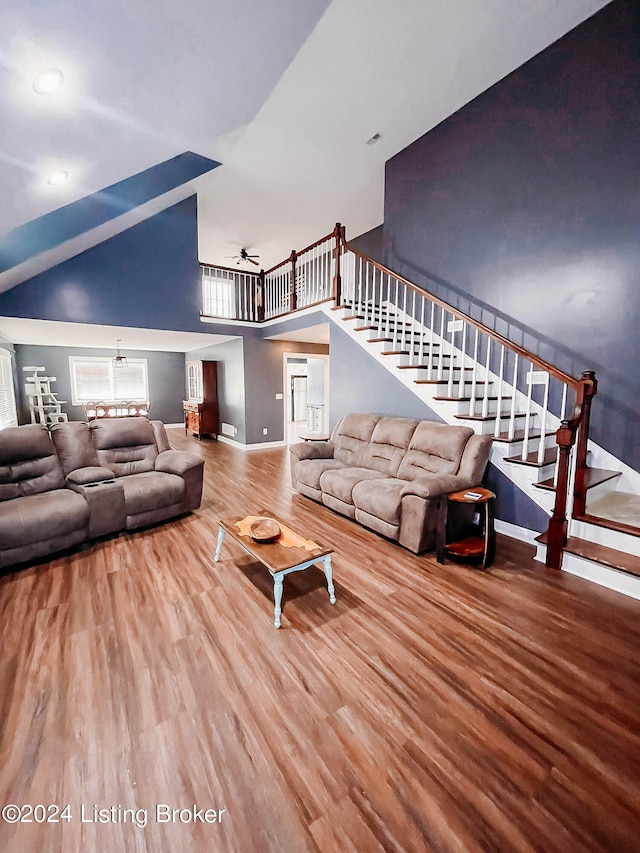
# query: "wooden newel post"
338,233
557,532
565,438
260,297
590,385
293,296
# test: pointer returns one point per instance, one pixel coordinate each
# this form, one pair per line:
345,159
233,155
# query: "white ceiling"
284,93
55,334
318,334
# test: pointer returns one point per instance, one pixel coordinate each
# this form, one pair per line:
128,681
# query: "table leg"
328,573
219,545
277,598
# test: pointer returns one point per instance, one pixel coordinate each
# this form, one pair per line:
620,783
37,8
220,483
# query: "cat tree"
44,406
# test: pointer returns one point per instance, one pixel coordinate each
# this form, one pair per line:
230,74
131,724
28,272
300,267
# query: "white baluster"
432,323
451,356
420,353
543,421
498,425
527,420
474,376
441,347
514,394
461,385
485,398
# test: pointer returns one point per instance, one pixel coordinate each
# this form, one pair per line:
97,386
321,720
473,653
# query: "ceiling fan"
244,256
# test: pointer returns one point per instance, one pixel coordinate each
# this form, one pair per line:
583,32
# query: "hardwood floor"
431,708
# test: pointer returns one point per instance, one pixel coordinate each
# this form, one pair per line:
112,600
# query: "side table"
474,541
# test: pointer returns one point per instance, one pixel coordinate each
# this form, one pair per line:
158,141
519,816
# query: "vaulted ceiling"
283,93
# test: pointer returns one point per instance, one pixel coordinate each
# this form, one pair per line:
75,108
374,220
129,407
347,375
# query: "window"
8,415
218,294
96,379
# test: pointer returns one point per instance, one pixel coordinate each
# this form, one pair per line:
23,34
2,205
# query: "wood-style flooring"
431,708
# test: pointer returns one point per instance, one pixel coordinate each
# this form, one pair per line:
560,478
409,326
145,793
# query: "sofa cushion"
73,445
85,476
28,462
351,437
380,498
388,445
435,449
36,518
309,471
124,445
339,482
150,490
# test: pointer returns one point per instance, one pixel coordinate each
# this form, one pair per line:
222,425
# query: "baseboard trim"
514,531
263,445
174,426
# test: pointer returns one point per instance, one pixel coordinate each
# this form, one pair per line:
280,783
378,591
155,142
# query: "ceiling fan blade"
250,259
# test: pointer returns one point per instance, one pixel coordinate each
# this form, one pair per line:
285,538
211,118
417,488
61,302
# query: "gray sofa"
80,481
388,473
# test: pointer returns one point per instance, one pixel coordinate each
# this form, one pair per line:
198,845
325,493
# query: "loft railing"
495,383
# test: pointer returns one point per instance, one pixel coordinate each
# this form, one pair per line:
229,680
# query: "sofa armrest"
311,450
435,485
177,462
89,475
188,466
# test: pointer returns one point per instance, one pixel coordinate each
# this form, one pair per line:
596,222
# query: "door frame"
286,407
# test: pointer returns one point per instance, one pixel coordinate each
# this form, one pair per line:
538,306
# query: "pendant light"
119,360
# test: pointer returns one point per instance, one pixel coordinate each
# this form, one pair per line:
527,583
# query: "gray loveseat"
388,473
81,481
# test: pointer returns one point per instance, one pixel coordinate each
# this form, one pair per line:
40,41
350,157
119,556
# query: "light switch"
278,396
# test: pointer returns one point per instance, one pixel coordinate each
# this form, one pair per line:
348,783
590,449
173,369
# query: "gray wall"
264,374
359,384
230,373
165,371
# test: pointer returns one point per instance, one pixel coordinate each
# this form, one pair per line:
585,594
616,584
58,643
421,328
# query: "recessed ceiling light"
49,81
58,178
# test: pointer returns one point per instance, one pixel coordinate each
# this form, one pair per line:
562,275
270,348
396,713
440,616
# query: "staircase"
469,374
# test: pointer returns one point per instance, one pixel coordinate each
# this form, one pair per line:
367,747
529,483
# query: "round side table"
478,543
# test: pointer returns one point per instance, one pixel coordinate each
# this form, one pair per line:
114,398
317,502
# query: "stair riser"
462,408
603,536
534,474
601,491
603,575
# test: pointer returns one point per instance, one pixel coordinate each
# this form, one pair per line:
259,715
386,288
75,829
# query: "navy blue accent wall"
89,212
165,371
370,243
523,208
148,277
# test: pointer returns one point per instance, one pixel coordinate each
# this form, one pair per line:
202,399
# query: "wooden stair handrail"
565,438
460,315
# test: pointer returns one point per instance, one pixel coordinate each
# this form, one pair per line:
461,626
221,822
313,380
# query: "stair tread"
616,511
550,455
467,399
408,352
481,418
593,477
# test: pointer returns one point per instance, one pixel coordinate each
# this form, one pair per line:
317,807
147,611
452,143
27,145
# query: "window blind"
96,379
8,416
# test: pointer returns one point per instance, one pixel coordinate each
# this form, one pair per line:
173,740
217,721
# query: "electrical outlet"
278,396
476,518
265,431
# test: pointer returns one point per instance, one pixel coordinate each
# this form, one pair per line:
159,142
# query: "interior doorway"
306,395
